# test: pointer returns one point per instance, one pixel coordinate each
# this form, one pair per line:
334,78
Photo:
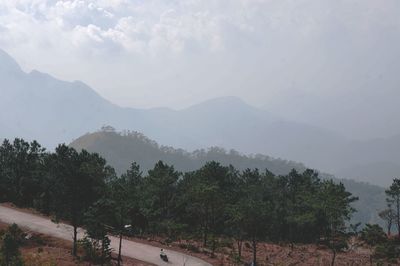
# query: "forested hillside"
120,149
211,204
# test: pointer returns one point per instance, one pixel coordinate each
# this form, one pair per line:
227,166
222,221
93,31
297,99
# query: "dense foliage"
121,149
373,235
386,246
10,243
211,203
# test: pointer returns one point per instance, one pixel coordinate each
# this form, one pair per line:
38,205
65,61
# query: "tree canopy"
208,204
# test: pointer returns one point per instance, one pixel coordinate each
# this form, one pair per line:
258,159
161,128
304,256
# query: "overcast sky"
293,57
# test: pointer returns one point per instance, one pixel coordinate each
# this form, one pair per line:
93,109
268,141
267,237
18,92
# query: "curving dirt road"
130,249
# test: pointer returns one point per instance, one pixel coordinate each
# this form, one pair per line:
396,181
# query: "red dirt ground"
58,252
42,250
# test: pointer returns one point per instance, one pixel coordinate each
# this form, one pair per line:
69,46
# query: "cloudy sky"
292,57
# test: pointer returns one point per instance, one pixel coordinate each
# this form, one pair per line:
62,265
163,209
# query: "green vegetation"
212,203
393,200
384,248
79,180
121,149
11,241
373,235
385,245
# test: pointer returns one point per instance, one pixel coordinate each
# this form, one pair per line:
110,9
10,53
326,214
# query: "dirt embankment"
45,249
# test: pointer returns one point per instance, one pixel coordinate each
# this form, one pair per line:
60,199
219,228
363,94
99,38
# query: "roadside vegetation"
23,247
213,205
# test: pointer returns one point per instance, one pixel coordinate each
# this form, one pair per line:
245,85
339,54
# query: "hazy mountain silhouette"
37,106
121,149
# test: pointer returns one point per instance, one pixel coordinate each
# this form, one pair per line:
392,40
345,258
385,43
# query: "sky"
332,63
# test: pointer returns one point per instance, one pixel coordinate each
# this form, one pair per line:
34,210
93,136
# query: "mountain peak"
7,63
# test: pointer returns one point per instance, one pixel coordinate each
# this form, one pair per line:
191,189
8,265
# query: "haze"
328,63
246,132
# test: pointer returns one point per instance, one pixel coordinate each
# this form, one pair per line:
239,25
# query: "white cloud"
152,25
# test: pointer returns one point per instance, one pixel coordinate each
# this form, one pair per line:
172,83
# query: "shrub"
88,249
189,247
225,242
373,235
96,251
38,239
387,250
11,241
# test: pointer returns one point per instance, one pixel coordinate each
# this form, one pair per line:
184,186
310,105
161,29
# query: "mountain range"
38,106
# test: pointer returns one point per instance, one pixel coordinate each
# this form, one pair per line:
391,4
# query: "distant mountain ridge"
37,106
121,149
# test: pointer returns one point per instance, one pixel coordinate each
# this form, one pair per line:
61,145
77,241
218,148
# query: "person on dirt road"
163,256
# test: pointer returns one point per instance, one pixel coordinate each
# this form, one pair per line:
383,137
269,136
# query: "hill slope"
120,150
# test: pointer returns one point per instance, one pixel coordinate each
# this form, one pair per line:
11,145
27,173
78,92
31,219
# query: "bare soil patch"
43,250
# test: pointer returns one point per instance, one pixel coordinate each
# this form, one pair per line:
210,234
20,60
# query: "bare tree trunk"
74,249
254,251
103,253
239,246
205,235
205,228
333,257
291,245
213,247
119,249
398,216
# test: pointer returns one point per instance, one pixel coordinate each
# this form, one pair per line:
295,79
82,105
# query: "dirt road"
130,249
